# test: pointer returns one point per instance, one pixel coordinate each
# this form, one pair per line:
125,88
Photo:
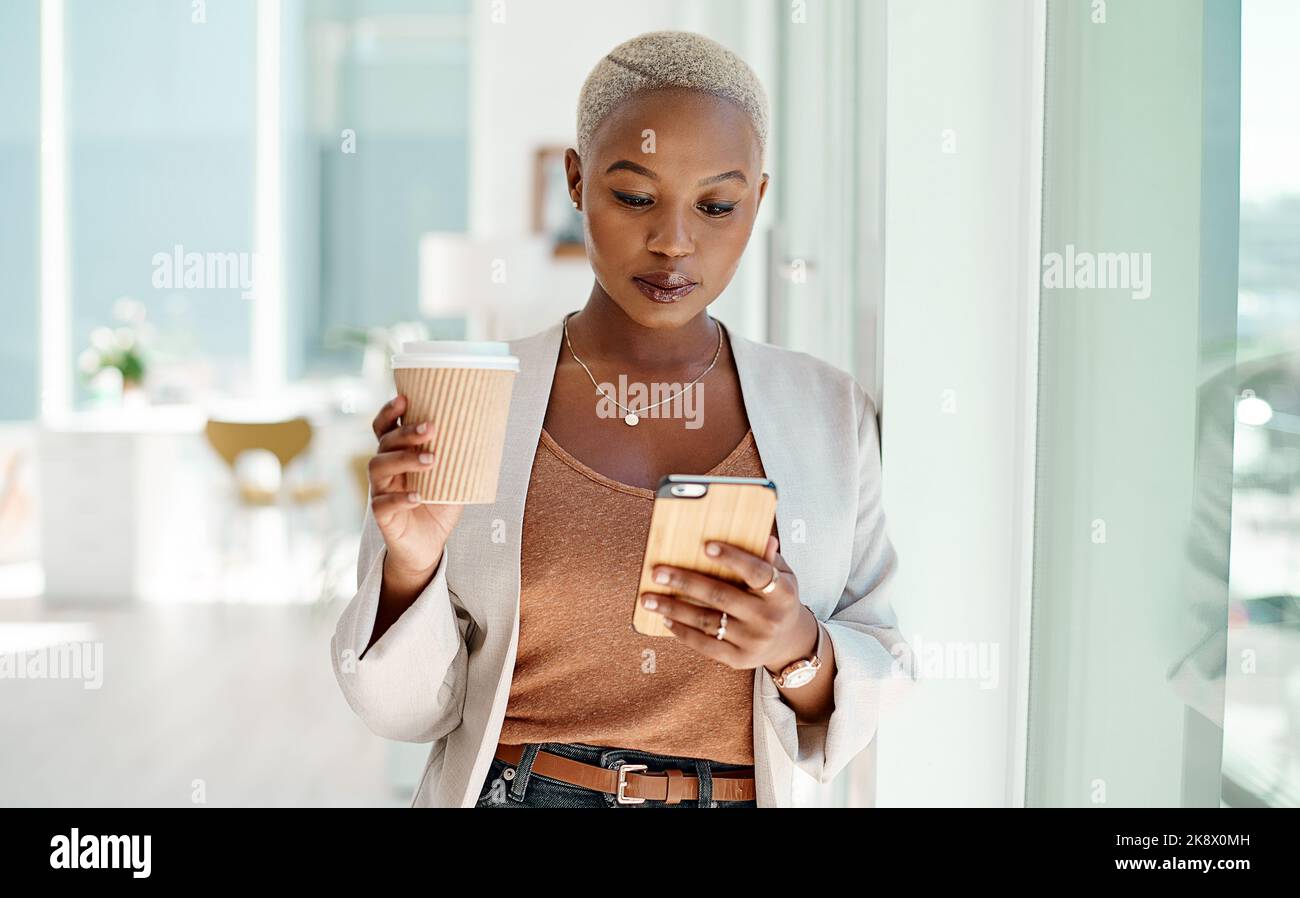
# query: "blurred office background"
218,219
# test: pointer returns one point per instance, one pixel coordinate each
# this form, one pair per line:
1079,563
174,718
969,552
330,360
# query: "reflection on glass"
1261,756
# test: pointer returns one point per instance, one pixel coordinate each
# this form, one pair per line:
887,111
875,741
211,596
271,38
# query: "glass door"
1137,343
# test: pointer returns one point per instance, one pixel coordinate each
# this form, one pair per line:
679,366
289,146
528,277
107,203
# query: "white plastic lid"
456,354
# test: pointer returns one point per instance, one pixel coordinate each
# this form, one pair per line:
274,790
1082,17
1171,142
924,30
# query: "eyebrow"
627,164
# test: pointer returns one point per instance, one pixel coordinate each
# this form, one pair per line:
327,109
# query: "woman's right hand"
415,533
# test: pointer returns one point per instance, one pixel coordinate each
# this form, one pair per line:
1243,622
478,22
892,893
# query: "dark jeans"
511,786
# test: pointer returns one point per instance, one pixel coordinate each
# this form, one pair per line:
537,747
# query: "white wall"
961,237
526,74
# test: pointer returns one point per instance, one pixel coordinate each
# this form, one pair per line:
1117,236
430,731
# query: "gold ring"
776,575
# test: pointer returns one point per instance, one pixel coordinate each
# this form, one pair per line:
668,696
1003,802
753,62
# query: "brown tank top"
582,674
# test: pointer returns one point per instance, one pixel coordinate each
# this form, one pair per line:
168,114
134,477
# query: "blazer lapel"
538,355
487,543
774,420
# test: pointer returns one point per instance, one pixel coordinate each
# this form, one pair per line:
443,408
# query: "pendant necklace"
633,416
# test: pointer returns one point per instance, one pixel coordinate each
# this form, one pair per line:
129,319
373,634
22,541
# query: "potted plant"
115,363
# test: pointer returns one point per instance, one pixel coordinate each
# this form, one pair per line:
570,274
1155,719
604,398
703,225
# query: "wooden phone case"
736,510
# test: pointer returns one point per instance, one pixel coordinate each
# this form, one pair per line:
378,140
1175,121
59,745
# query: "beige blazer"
442,671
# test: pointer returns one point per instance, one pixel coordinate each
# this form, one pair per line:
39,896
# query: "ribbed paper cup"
463,389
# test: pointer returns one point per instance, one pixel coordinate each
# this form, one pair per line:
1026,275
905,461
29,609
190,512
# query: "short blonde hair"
666,59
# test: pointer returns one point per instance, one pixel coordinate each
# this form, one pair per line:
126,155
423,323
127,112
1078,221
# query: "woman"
501,632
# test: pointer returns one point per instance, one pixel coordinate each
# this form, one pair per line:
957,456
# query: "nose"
670,232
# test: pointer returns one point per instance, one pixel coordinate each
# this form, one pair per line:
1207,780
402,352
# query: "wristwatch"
801,671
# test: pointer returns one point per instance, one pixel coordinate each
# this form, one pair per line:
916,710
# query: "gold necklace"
632,418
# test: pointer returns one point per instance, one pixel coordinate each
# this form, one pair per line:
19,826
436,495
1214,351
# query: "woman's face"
670,193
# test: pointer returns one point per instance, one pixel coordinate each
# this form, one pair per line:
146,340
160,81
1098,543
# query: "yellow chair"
286,440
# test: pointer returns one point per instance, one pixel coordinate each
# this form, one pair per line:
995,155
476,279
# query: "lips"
665,280
656,294
664,286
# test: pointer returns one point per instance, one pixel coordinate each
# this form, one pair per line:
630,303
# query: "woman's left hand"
770,630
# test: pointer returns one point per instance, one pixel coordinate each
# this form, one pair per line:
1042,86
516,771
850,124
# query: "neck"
602,332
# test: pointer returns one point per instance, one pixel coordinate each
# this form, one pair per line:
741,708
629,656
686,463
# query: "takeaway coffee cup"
463,388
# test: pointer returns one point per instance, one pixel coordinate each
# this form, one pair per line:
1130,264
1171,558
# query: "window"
160,163
19,155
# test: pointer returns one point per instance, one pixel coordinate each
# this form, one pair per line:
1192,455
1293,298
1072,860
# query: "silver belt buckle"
622,783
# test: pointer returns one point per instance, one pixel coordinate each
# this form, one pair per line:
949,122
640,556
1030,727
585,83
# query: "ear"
573,173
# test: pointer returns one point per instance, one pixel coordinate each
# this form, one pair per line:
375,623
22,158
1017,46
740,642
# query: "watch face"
799,677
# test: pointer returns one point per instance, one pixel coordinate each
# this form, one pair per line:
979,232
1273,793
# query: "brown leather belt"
670,786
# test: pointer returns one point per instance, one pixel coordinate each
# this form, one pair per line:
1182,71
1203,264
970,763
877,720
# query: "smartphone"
691,509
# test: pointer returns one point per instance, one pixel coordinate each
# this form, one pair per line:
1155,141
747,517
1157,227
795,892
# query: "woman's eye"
636,202
717,210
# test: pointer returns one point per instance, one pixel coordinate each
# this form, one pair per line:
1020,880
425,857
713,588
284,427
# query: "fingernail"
668,623
422,427
426,458
712,549
412,497
661,577
650,602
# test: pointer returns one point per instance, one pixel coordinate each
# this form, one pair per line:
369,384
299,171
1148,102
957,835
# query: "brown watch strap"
671,786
